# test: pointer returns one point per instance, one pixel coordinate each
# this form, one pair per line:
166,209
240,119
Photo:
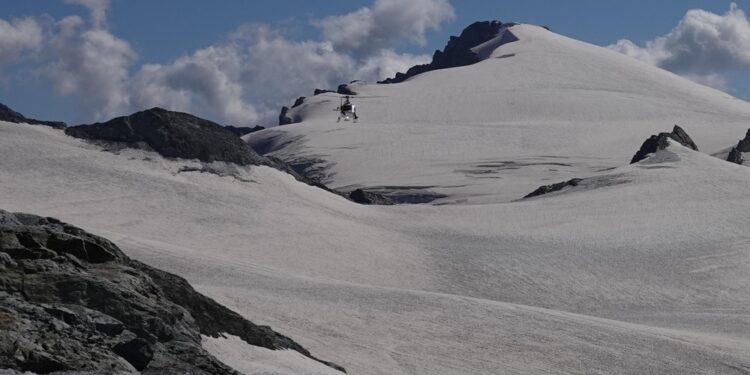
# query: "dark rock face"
344,89
172,134
320,91
366,197
546,189
240,131
284,118
7,114
72,301
735,156
659,142
298,102
457,52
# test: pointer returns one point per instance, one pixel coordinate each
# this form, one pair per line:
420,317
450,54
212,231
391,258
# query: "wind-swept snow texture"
638,269
540,109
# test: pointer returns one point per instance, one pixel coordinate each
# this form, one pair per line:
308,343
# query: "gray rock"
284,118
369,198
7,114
172,134
344,89
457,52
546,189
735,155
659,142
82,305
321,91
298,102
240,131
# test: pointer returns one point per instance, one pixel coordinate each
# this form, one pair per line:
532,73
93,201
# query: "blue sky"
237,61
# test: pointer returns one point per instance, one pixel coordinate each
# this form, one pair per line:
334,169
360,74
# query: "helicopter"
346,109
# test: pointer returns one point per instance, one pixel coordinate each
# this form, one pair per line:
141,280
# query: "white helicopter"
346,109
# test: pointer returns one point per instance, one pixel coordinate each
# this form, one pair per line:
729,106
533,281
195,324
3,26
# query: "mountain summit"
458,51
537,108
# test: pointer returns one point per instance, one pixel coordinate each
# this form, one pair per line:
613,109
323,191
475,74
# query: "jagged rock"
735,155
298,102
240,131
659,142
321,91
7,114
457,52
344,89
172,134
546,189
284,118
368,197
70,311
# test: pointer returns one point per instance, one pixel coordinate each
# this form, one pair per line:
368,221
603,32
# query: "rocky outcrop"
173,135
660,142
735,155
244,130
344,89
72,301
546,189
284,118
7,114
457,52
298,102
321,91
367,197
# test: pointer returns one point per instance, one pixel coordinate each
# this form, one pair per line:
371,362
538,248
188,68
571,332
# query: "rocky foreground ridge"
72,301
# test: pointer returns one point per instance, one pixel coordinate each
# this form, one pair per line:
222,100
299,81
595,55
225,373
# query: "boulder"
71,311
9,115
174,135
660,142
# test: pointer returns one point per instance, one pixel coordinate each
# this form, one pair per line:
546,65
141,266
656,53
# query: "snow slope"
641,268
538,110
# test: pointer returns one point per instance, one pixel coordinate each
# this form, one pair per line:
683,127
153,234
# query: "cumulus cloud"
246,77
97,8
93,63
701,47
372,29
18,36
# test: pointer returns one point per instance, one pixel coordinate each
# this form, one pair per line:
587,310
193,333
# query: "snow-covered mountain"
638,268
537,110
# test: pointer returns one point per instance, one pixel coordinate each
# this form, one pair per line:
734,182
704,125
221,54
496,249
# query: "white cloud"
701,47
372,29
18,36
92,63
242,80
97,8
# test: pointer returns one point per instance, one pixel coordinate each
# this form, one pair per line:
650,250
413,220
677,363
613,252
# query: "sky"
238,61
